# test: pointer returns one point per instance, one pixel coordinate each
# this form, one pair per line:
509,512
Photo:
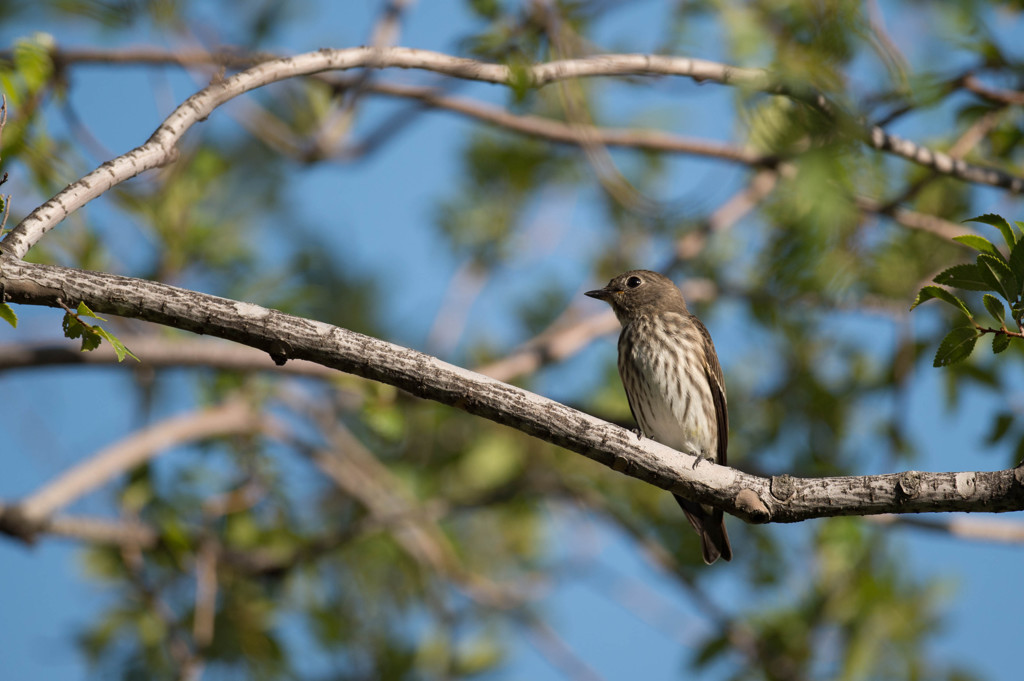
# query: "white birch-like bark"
285,337
160,148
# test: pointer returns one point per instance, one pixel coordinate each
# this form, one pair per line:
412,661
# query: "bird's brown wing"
713,371
629,400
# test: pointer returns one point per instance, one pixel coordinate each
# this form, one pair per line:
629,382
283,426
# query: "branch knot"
908,485
783,487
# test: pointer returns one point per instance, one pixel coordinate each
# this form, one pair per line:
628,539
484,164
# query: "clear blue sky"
388,199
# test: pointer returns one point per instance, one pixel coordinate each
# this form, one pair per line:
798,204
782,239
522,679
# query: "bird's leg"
700,457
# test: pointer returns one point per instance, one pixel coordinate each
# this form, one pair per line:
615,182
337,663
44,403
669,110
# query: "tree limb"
284,337
230,417
160,150
159,351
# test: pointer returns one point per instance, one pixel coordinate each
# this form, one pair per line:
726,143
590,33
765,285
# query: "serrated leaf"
956,346
991,279
119,348
995,307
967,276
1000,223
978,243
929,292
1017,260
90,339
8,315
84,311
1000,342
1006,278
1017,311
72,327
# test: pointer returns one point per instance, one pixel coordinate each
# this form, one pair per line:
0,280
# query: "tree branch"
160,148
92,530
159,351
284,337
231,417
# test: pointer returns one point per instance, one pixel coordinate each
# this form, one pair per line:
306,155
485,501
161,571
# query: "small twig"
971,83
3,120
982,330
3,178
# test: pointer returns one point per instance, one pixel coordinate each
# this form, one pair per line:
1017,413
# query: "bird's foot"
697,461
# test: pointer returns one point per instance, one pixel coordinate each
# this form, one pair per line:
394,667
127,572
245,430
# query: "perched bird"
673,382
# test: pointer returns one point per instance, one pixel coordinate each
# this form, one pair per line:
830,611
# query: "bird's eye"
633,282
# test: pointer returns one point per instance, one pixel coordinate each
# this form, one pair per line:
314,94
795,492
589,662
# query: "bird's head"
640,292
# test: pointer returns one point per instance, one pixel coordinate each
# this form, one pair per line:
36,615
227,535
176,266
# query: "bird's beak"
601,293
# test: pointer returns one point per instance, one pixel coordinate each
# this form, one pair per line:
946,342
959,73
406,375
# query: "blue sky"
46,594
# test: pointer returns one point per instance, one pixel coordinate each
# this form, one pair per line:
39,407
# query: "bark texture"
286,337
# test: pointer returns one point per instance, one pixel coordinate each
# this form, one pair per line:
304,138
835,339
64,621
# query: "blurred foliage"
426,560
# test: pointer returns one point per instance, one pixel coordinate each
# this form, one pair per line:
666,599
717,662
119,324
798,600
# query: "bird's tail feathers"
710,525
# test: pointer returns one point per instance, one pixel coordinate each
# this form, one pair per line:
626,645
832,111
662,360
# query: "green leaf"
90,339
1017,260
966,276
978,243
84,311
1017,311
1000,342
119,347
998,222
1007,280
929,292
995,307
72,327
956,346
8,315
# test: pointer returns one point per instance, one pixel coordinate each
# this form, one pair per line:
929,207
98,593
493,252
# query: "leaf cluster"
91,334
1001,279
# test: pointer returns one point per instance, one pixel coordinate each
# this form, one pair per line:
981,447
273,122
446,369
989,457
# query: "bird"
673,382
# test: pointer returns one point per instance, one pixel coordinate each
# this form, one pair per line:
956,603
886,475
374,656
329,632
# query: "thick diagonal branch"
285,337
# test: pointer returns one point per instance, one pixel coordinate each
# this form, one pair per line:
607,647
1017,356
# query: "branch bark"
285,337
160,149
